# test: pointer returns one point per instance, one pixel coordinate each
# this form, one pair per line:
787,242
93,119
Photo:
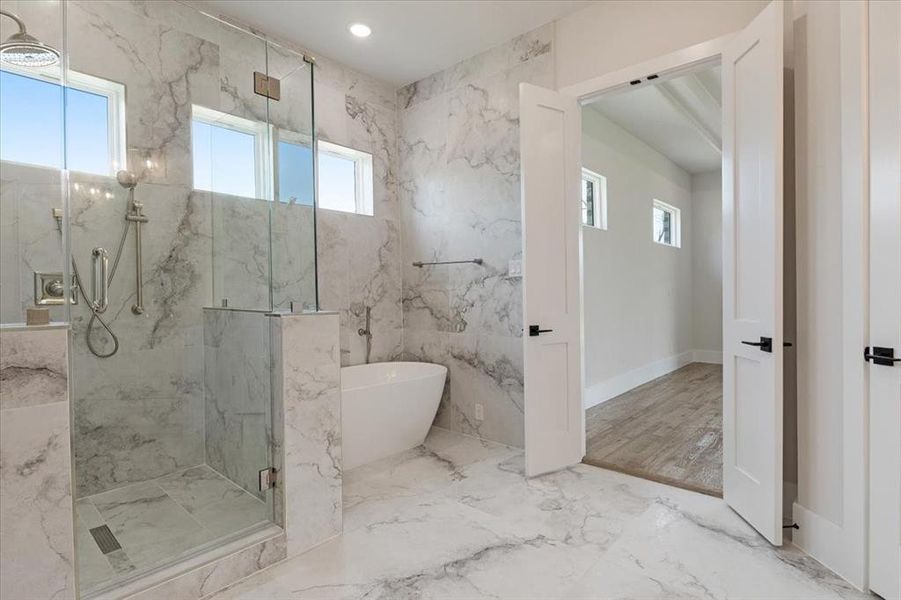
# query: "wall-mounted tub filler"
367,333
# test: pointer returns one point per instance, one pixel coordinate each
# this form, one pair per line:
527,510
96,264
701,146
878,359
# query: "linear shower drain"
105,539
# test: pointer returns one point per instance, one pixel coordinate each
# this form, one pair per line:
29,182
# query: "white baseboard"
708,356
620,384
828,544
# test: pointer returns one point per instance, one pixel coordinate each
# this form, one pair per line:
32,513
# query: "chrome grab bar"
100,280
475,261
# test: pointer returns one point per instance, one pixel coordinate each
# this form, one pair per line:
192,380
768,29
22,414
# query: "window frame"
364,192
259,131
599,202
676,223
113,91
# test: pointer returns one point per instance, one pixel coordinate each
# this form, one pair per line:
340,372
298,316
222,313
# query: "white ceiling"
680,118
410,39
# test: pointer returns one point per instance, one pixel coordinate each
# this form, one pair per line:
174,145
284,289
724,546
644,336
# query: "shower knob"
54,288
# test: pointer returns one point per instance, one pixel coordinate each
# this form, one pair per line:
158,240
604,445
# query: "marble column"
307,383
37,549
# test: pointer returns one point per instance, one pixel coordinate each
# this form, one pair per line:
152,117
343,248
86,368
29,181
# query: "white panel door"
752,273
550,144
885,299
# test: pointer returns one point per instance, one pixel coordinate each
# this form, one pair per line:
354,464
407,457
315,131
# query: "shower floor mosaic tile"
455,518
160,520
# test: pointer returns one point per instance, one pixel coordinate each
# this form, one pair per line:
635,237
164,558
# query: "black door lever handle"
536,330
881,356
765,344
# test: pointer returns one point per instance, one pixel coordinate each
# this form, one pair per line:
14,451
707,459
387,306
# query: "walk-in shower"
142,184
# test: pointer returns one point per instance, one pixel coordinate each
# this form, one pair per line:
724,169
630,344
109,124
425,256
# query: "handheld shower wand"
104,273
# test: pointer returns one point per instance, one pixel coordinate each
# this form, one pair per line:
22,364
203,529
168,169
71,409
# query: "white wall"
637,293
614,34
707,262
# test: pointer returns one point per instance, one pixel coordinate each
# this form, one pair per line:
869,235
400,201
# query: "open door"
752,273
884,373
550,142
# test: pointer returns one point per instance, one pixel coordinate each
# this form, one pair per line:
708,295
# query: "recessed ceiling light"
359,29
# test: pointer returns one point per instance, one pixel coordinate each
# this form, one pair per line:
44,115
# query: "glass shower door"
171,236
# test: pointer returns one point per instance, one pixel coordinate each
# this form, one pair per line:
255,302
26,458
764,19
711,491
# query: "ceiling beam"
710,136
701,90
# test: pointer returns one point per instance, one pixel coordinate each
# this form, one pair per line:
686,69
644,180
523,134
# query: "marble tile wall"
458,180
360,256
29,241
37,551
237,394
241,252
307,379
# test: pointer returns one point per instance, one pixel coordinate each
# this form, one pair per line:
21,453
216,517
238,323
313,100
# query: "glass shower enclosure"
158,194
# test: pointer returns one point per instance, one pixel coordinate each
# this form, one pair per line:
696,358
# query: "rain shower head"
24,50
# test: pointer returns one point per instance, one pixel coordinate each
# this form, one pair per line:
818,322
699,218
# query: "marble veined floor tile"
161,520
455,518
218,504
198,487
149,524
234,514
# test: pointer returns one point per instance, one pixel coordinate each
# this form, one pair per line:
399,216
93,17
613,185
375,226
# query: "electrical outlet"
480,412
514,268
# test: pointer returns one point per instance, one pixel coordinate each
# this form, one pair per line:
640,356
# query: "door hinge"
267,86
268,478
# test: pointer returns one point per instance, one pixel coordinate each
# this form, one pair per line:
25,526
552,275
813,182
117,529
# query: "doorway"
652,280
753,253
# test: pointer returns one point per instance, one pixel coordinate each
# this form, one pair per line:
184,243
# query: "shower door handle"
100,280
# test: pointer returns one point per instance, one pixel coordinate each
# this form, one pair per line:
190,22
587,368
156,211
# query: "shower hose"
95,316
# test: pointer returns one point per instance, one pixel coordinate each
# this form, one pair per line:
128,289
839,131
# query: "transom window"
228,153
667,224
345,179
31,111
594,199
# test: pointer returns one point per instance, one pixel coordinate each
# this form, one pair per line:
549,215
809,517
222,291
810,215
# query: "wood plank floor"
668,430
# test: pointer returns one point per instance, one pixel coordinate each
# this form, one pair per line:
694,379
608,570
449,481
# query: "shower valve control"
50,290
54,288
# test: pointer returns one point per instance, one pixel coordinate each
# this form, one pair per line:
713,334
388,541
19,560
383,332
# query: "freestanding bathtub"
387,408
